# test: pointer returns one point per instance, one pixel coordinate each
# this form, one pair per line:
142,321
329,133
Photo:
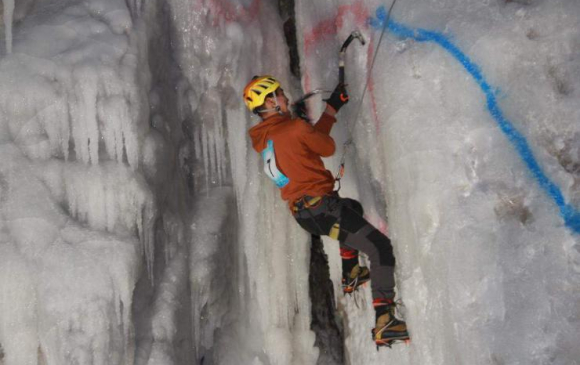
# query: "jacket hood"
259,132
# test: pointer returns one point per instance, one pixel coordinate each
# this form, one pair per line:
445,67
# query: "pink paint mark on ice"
379,223
328,28
224,10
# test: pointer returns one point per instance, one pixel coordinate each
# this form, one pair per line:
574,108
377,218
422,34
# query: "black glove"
338,98
301,111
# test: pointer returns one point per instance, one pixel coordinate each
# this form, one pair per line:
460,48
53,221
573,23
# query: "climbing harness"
306,202
348,142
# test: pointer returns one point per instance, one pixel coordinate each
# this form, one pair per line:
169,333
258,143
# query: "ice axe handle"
341,55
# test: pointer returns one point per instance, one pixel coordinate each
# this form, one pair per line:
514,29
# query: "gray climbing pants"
342,219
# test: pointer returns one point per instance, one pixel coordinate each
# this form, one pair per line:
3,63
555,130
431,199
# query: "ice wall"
76,212
469,130
103,154
248,282
123,135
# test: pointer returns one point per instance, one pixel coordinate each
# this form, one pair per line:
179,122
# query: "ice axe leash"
299,107
341,77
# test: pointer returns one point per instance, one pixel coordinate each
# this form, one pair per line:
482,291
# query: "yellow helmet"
256,91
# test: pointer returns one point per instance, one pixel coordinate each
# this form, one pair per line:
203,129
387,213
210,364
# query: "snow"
136,226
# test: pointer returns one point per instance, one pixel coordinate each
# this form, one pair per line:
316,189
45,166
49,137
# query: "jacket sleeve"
317,141
324,124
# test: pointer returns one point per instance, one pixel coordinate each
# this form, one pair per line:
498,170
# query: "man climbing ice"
292,149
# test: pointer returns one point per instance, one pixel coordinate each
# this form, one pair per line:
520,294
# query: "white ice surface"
74,215
486,267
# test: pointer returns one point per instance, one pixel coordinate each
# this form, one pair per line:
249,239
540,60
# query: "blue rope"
570,215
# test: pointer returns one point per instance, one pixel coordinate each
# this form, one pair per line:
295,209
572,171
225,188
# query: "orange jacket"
298,147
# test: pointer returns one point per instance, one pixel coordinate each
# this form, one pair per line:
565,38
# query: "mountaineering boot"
388,328
353,275
357,276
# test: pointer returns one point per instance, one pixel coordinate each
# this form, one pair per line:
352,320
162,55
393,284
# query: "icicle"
198,144
205,149
111,197
55,120
8,17
212,137
221,152
84,115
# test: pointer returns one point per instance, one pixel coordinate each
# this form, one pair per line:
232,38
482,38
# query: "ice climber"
292,149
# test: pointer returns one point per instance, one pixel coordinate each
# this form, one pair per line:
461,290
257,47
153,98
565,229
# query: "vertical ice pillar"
8,14
18,339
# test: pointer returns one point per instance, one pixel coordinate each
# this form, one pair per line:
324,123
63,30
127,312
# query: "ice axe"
299,106
348,142
341,55
356,34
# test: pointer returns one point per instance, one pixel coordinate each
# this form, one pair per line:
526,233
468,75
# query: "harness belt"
306,202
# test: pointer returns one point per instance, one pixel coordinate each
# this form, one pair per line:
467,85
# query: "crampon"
389,329
358,277
389,342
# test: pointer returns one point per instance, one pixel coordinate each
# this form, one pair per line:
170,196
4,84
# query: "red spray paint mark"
329,27
224,10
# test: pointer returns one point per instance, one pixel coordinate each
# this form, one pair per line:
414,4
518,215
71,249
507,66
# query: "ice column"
219,48
8,14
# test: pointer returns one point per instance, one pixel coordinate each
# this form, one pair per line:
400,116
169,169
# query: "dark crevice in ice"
325,323
329,333
288,17
171,197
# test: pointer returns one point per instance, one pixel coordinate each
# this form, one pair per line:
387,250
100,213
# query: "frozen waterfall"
136,226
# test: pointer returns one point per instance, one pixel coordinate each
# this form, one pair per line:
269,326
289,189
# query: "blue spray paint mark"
570,215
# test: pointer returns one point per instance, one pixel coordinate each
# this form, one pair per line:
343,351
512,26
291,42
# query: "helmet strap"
275,109
277,106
